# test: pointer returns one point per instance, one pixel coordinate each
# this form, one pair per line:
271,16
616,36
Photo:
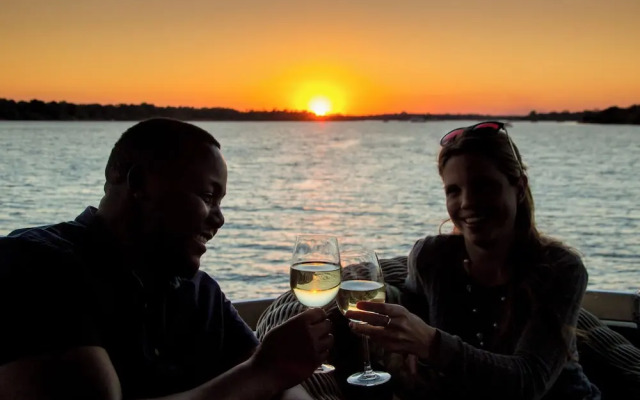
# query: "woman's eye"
486,187
451,190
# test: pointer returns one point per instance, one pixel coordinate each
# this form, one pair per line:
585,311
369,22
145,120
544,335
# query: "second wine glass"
362,280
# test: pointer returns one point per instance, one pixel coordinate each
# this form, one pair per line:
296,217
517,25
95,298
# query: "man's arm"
288,354
80,373
87,373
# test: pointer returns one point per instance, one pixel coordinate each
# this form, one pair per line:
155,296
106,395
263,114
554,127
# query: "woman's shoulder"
559,254
439,243
435,250
562,261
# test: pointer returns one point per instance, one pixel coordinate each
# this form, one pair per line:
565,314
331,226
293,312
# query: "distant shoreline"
37,110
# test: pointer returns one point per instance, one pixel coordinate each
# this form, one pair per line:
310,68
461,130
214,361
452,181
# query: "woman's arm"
540,354
541,351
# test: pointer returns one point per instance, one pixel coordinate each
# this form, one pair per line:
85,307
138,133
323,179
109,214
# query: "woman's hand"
393,327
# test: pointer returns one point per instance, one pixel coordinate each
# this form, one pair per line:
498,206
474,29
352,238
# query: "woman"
491,309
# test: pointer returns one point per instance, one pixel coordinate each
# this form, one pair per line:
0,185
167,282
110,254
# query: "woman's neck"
489,267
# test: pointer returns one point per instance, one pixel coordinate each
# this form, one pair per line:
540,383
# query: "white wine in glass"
353,291
362,280
315,284
315,273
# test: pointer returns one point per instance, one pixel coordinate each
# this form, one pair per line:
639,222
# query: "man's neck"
141,253
119,219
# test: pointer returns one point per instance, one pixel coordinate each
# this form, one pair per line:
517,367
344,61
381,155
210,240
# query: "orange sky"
365,56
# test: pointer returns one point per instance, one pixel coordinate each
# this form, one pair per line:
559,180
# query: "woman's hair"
496,147
530,247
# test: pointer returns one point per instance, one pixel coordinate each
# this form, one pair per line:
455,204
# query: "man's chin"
181,266
189,269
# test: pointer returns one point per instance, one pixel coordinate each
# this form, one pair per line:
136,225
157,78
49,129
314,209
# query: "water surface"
369,182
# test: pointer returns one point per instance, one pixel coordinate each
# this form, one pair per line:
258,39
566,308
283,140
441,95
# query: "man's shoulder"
204,289
204,281
60,236
43,244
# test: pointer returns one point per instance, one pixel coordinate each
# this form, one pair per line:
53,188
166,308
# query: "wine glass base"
372,379
324,368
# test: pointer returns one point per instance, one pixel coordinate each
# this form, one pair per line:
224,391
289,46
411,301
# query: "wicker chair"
608,358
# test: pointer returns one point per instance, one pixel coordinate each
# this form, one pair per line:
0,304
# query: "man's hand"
292,351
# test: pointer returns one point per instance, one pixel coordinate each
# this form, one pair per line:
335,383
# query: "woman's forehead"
471,165
468,160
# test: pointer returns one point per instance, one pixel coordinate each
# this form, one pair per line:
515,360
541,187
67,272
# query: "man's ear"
135,180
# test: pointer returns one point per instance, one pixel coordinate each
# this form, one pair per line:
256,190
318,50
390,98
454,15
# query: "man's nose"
215,217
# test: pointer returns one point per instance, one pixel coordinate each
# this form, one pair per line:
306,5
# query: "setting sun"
326,93
320,105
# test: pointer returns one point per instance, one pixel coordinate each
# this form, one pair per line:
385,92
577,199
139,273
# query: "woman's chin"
479,237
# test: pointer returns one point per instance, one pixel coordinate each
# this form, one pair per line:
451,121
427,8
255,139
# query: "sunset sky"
361,56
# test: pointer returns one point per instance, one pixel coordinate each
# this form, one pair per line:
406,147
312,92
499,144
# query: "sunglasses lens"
494,126
487,125
450,136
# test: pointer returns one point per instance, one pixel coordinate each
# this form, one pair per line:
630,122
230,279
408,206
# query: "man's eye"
207,197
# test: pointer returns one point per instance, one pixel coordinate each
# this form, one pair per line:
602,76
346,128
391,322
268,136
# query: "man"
113,305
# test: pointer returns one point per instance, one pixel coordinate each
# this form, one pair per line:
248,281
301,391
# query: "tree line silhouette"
63,111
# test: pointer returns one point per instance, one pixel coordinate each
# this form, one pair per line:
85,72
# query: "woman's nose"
468,199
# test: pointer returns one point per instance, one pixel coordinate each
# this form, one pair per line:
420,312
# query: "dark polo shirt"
67,285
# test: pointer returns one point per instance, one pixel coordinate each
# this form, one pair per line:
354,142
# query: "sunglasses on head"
491,127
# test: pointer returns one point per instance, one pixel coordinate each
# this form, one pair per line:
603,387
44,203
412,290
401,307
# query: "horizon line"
311,114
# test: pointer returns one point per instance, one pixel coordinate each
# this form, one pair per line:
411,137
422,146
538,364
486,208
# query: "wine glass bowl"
315,284
315,273
362,280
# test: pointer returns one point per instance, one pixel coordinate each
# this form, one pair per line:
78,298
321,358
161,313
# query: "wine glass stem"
324,367
368,371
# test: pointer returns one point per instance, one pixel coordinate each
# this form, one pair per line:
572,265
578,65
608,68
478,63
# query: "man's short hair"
152,143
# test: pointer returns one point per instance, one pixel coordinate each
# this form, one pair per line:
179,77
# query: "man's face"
181,208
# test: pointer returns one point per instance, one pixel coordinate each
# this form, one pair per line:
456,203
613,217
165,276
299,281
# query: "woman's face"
481,202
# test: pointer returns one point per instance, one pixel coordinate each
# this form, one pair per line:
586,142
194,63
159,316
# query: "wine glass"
315,273
362,280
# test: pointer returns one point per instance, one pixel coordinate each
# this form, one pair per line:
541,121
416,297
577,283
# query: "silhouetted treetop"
63,111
